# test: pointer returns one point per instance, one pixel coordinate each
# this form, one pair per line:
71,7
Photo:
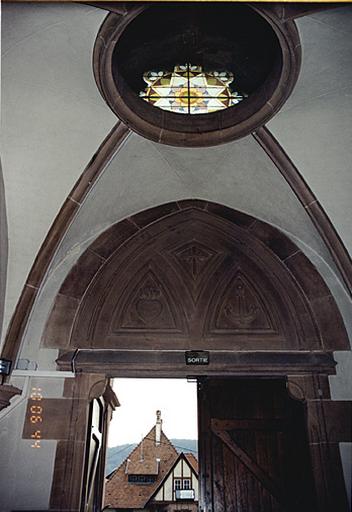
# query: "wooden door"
253,448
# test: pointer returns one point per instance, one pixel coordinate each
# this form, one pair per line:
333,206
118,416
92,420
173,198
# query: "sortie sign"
197,357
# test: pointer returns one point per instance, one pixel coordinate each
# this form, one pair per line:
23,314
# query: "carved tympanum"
195,280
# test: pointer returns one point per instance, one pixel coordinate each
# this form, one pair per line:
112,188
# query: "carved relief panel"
242,308
203,284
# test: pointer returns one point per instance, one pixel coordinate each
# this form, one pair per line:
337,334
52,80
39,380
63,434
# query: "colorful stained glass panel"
190,90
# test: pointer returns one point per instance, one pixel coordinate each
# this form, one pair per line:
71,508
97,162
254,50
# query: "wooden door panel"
256,450
253,465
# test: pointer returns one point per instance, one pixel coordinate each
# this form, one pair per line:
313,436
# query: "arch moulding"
194,275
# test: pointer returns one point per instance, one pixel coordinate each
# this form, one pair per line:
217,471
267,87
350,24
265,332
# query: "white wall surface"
3,249
53,120
314,126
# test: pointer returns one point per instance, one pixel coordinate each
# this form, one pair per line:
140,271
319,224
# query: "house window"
182,484
186,483
141,479
178,484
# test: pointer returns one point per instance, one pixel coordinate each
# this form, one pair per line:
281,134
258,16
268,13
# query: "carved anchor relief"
241,307
240,310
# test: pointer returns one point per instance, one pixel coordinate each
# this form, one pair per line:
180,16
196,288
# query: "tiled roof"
143,466
142,461
193,462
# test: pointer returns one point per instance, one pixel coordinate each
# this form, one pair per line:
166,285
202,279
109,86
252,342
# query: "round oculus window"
196,74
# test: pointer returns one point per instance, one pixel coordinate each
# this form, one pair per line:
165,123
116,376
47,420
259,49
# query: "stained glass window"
190,90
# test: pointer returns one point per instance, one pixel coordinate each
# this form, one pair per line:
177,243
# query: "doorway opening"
253,449
152,453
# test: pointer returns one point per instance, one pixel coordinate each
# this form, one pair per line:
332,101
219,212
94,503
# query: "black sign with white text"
197,357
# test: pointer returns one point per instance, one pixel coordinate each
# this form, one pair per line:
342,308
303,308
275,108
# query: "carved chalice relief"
148,305
239,309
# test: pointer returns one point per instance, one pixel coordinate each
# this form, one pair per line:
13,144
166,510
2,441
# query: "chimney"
158,427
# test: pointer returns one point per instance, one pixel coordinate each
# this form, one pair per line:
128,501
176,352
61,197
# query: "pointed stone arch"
194,275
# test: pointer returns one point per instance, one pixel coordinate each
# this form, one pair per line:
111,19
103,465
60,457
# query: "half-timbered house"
154,477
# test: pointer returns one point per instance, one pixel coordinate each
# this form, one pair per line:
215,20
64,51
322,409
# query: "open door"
253,448
94,467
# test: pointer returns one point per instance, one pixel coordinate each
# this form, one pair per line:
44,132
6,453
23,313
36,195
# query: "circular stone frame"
192,130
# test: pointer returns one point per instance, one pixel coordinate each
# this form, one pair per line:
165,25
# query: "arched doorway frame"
306,367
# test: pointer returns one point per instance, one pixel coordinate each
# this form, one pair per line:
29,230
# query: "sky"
141,398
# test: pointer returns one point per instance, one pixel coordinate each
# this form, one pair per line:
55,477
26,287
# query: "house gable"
183,476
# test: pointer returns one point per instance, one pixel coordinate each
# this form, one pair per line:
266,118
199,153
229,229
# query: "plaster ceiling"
144,174
54,120
315,126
